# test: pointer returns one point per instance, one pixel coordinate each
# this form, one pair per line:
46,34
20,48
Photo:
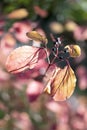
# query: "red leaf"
22,58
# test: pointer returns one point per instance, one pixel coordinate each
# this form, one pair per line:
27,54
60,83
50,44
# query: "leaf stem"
47,54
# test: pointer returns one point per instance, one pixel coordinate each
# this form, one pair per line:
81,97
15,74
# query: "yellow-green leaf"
37,37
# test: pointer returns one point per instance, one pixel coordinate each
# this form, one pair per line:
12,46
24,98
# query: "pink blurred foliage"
81,57
60,110
68,118
82,77
1,32
3,107
19,30
80,33
4,76
2,22
2,25
21,120
8,43
34,89
41,12
19,82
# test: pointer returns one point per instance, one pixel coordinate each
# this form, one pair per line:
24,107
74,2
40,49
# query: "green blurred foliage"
2,114
62,10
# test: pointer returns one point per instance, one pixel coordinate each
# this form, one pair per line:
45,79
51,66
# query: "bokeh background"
22,107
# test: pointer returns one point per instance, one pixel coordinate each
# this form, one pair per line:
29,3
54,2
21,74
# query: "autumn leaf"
49,76
37,37
62,84
74,50
22,58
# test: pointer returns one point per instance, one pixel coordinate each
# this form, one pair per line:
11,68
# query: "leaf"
70,26
40,11
22,58
37,37
18,14
48,78
56,27
62,85
74,50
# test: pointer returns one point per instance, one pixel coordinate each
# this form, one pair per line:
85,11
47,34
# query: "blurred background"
22,107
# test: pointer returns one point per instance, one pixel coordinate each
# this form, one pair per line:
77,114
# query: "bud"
74,50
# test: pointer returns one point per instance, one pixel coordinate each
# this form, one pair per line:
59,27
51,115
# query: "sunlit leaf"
70,26
37,37
74,50
63,84
18,14
60,85
56,27
22,58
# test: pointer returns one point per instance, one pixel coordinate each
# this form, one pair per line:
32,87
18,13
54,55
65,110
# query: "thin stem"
56,55
47,54
67,62
51,62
